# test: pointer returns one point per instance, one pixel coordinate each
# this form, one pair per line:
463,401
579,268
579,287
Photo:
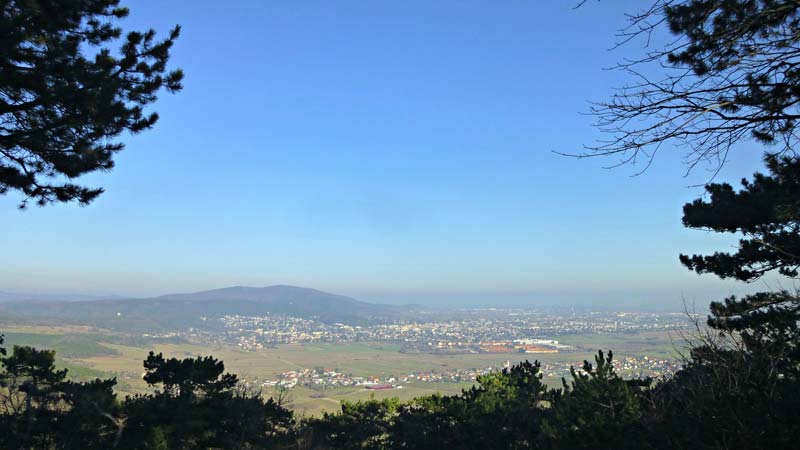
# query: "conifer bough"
729,73
65,95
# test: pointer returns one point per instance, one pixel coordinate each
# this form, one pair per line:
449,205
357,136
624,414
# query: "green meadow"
90,353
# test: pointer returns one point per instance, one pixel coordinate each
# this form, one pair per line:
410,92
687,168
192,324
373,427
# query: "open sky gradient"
393,151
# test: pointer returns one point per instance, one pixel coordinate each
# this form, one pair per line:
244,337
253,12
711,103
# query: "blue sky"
394,151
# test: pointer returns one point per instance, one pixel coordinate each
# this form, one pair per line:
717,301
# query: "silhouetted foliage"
766,211
728,73
726,397
597,406
198,406
41,409
358,425
64,94
188,377
504,411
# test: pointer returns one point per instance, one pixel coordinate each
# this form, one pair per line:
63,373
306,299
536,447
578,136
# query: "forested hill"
192,309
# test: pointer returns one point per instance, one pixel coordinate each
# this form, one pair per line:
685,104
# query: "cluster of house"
324,378
522,346
439,336
321,378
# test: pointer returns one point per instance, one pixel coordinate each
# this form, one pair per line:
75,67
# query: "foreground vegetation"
90,354
733,393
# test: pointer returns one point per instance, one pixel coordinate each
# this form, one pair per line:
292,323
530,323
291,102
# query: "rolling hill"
193,309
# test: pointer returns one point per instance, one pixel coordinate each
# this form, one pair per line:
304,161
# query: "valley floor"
90,353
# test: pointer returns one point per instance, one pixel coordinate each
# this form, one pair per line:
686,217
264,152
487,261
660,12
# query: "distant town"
477,331
520,334
324,378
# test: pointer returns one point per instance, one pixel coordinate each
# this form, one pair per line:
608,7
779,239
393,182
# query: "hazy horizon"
650,300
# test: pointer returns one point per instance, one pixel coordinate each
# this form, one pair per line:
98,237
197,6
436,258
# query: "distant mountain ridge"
264,294
184,310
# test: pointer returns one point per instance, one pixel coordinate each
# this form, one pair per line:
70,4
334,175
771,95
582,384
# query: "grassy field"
312,402
68,346
658,344
90,353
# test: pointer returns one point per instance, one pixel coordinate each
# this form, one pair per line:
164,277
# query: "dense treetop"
766,211
65,95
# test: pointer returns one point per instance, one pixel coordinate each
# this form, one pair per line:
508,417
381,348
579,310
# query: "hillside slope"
193,309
